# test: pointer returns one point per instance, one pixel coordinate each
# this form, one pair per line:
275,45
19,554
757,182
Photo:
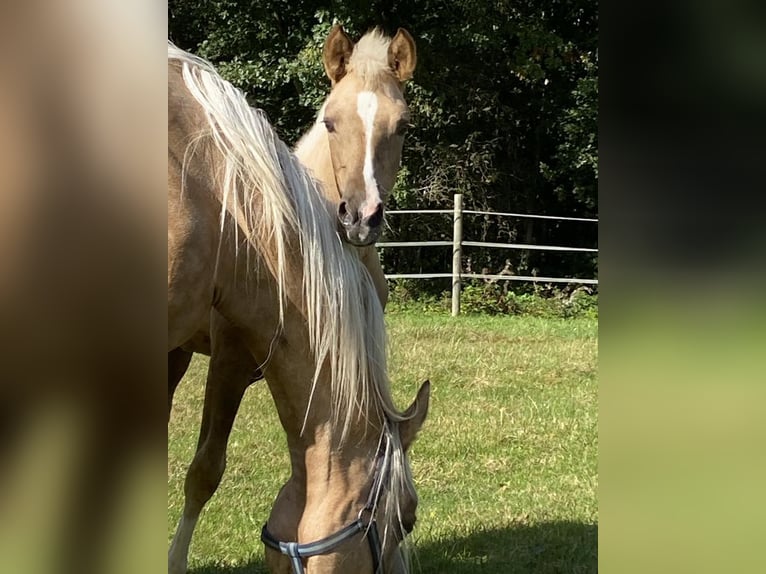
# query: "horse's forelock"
369,59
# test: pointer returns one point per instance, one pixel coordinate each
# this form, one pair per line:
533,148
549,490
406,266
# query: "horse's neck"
305,409
313,151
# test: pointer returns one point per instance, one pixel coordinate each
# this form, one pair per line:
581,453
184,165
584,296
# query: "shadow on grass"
546,548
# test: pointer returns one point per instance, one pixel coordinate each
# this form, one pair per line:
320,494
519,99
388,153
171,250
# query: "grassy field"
506,465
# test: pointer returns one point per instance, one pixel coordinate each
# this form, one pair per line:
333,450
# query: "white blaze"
367,107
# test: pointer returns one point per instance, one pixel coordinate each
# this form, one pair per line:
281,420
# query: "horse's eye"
329,124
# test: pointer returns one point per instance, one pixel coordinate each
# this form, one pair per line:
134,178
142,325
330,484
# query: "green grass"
506,464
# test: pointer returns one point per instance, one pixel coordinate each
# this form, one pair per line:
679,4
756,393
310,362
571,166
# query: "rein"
365,522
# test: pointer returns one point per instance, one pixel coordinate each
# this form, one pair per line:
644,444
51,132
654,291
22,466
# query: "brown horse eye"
329,124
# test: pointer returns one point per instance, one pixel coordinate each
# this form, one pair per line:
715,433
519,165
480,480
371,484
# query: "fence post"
457,252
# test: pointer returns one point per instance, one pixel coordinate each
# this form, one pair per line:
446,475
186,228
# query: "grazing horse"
252,246
366,104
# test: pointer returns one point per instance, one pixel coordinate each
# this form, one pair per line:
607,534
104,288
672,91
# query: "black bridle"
365,522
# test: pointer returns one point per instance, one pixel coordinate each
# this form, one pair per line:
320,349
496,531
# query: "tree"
504,103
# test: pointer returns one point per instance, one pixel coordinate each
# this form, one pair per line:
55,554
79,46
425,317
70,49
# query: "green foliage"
405,295
478,297
494,299
504,104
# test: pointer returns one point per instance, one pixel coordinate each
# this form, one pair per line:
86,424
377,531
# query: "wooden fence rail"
457,244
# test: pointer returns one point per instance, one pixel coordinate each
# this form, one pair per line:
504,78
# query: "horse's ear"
336,53
415,416
402,55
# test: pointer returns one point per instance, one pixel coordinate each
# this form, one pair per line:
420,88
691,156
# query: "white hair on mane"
369,59
343,315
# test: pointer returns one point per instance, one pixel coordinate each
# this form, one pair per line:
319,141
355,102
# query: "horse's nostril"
348,213
376,218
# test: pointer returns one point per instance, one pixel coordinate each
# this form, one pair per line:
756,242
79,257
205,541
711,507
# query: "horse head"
365,118
354,519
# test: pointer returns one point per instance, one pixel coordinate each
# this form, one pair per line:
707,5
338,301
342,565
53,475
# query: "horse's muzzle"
358,229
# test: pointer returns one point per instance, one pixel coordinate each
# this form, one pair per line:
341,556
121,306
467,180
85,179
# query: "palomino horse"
366,106
249,234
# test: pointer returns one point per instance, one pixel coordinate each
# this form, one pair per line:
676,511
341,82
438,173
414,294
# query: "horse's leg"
178,362
229,374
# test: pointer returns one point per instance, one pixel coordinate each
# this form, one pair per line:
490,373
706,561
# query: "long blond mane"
276,205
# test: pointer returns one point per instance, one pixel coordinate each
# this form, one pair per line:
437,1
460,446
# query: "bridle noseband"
297,552
365,522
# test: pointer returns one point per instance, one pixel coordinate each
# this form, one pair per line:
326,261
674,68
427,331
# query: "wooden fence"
457,244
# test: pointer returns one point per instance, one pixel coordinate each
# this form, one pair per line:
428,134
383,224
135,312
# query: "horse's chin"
361,243
360,236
